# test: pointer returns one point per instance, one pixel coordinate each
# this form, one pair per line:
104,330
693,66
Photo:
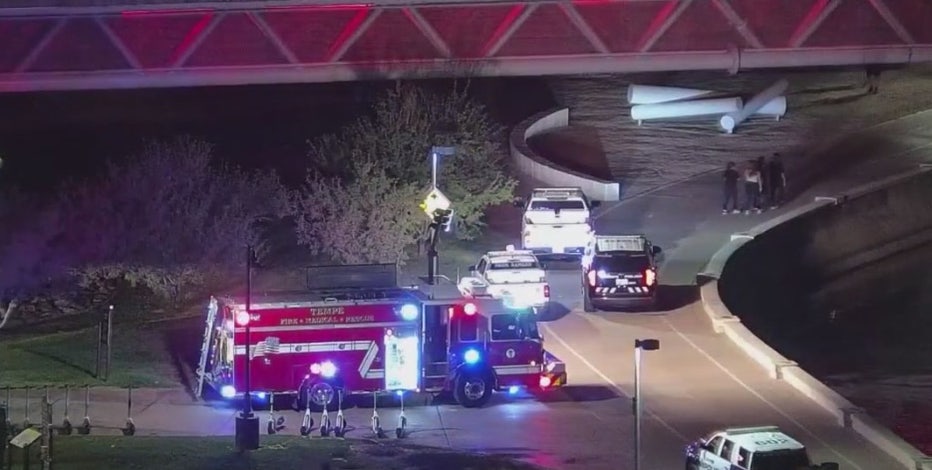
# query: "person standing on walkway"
730,178
751,188
764,182
777,181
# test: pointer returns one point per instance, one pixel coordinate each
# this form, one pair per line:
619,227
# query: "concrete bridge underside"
233,43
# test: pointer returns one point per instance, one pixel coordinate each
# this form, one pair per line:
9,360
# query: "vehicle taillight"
547,291
544,381
591,276
470,308
650,276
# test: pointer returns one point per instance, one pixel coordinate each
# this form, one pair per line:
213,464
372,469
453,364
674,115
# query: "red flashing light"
650,277
315,368
546,291
591,276
470,308
242,318
544,381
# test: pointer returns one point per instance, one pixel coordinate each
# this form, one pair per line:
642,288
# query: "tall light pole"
247,423
639,345
435,154
441,216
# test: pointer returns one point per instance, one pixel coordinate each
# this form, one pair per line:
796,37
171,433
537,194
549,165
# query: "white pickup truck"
556,221
514,276
750,448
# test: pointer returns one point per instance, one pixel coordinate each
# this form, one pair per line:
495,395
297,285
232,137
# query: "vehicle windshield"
621,262
514,326
780,460
563,205
514,264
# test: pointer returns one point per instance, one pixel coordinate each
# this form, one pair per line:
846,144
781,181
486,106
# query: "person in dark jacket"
777,181
730,179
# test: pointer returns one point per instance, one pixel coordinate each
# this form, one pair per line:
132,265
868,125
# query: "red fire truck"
354,331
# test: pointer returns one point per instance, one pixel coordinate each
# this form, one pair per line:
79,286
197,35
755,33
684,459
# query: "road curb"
725,322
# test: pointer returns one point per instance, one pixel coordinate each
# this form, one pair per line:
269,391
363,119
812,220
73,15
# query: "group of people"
764,184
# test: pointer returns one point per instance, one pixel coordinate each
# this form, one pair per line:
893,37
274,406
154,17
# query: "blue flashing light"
261,396
471,356
513,389
227,391
409,312
399,392
328,370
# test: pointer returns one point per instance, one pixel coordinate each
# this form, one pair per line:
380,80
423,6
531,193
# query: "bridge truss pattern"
110,47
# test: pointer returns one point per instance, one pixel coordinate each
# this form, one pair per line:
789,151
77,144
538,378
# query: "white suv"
752,448
556,221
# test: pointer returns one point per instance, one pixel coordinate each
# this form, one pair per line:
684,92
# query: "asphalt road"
698,381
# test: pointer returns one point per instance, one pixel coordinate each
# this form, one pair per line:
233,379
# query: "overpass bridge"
150,43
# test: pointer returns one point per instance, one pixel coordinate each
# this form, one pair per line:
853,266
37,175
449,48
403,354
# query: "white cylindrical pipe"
649,94
731,120
775,107
644,112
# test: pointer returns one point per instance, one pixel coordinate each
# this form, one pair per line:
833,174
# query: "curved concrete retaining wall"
825,238
539,169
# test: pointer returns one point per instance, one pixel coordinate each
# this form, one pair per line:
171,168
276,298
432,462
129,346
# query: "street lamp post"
639,345
435,154
438,219
247,423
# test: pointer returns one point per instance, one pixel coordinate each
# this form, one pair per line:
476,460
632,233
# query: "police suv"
619,271
751,448
556,221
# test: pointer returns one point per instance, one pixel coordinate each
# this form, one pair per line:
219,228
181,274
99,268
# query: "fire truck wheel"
473,389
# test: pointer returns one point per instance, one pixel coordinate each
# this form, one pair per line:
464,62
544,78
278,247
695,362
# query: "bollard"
130,428
45,447
66,427
85,427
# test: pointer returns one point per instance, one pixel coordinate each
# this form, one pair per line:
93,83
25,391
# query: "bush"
397,138
370,219
165,219
360,201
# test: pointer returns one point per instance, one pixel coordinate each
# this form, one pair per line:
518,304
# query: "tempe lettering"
328,316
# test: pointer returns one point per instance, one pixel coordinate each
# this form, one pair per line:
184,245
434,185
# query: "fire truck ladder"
205,347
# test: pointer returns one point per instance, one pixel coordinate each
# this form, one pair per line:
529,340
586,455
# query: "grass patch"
216,453
144,355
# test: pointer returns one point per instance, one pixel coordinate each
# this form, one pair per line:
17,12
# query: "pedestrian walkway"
699,380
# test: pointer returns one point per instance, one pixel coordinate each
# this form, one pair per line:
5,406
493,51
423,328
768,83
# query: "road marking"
610,382
756,394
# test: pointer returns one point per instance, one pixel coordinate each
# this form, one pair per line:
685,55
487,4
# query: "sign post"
639,345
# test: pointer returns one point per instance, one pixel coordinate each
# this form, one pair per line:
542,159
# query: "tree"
397,137
166,220
369,219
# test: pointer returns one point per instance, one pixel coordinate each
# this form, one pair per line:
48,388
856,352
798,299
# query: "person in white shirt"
752,187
